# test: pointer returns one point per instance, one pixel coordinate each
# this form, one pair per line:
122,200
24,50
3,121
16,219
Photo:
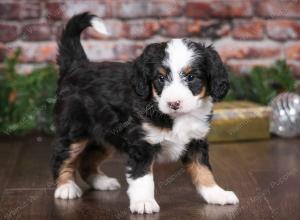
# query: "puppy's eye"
190,77
162,79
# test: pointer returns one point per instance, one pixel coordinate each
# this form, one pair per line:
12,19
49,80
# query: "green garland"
26,101
262,84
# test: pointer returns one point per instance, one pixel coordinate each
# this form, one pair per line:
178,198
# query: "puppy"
155,108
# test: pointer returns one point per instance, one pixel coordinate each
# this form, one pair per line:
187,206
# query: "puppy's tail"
69,46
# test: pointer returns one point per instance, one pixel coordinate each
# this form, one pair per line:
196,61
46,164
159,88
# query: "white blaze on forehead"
179,55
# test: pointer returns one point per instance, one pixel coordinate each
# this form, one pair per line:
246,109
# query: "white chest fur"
185,128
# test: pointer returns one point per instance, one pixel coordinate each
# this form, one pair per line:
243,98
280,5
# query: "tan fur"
149,126
162,71
202,93
201,175
187,70
68,169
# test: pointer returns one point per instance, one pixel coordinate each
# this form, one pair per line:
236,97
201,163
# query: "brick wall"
245,32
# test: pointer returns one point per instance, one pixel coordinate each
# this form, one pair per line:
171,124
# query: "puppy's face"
180,83
181,74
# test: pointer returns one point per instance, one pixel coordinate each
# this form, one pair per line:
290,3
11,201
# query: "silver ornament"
285,120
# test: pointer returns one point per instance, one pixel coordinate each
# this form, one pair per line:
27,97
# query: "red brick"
57,29
55,10
36,32
38,52
211,28
173,28
229,49
99,50
283,29
292,51
165,8
130,9
99,8
219,8
8,32
127,50
245,66
10,10
278,8
141,29
19,10
248,30
295,68
138,8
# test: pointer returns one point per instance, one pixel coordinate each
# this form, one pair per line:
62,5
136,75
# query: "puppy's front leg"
140,179
196,162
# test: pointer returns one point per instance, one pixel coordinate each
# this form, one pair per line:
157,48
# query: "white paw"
146,206
217,195
68,190
102,182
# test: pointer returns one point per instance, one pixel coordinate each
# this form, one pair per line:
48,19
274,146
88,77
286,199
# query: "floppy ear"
144,66
218,83
141,77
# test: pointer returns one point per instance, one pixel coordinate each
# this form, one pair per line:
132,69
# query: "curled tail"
69,46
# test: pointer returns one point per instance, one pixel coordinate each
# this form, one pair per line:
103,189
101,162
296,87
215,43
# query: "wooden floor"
264,175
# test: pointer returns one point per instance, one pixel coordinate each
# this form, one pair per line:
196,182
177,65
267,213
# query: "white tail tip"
99,26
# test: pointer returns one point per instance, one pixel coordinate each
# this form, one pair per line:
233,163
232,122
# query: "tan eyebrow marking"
187,70
162,71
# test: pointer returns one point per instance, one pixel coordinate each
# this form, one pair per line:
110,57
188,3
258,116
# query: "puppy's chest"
174,141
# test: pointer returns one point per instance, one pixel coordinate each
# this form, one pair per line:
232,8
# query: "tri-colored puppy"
155,108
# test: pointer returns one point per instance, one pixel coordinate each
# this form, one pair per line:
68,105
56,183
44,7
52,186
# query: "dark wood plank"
9,153
280,190
32,167
264,175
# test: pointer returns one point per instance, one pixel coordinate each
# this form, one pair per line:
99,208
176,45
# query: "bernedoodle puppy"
155,108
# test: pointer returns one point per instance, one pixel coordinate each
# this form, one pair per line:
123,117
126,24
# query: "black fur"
70,49
211,70
107,102
218,77
197,150
146,65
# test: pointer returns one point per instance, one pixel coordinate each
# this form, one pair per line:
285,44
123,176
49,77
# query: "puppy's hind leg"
65,163
90,169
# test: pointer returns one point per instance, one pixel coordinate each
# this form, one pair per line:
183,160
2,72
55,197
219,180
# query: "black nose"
174,105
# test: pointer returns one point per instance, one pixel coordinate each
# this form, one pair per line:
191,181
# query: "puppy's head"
179,74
